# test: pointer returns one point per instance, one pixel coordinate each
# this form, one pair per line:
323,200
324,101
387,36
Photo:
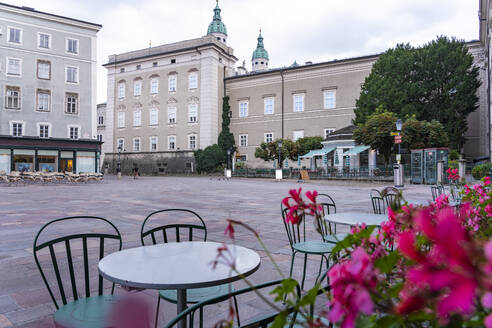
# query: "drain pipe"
282,76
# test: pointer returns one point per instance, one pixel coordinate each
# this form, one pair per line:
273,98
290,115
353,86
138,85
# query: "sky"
293,30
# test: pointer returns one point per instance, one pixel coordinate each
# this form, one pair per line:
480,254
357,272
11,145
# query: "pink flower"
486,181
298,208
229,231
351,282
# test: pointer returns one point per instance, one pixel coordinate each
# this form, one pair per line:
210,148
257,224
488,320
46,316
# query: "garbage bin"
398,175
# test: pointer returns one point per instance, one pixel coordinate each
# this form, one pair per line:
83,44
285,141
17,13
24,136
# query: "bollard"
398,175
440,172
462,169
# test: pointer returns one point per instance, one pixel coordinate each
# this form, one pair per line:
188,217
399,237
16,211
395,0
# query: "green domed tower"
217,28
260,56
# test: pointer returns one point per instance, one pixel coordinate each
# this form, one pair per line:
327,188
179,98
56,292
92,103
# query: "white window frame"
137,88
192,109
43,62
121,87
134,143
154,86
151,139
20,34
173,111
294,107
169,138
137,118
38,128
190,136
99,137
121,119
72,95
266,106
326,130
172,87
19,98
77,70
265,136
7,67
325,99
122,142
193,80
37,102
243,111
100,118
23,131
154,113
79,131
67,43
295,135
39,40
241,138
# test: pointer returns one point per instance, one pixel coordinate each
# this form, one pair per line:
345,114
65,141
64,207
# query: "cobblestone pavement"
24,300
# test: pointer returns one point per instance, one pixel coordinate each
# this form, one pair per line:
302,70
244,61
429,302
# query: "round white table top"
354,218
176,265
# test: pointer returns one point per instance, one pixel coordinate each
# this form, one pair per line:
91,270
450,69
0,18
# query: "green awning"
318,152
356,150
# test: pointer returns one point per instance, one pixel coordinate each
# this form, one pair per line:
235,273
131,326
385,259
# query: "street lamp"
118,165
399,125
279,154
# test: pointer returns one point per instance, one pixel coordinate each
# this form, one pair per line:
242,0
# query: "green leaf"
386,263
280,321
387,322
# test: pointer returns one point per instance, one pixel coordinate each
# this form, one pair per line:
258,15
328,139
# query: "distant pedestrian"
135,172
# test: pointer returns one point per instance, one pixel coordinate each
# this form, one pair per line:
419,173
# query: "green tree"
423,134
437,81
376,133
209,159
226,138
268,151
306,144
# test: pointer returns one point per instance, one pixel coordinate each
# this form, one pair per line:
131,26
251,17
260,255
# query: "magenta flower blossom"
297,207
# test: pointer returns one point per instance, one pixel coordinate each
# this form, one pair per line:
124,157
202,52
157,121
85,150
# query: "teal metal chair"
298,244
260,321
329,230
178,232
436,191
84,310
378,204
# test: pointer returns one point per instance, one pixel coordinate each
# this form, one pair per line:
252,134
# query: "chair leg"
237,311
304,271
292,264
320,267
157,311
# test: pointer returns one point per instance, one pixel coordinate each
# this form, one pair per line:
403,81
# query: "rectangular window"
154,86
137,88
192,141
120,145
327,132
12,97
99,137
137,118
298,135
15,35
171,115
44,130
121,119
122,70
73,46
153,143
268,104
192,113
269,137
243,140
43,100
139,67
72,103
243,109
193,81
44,41
329,99
72,74
73,132
171,142
100,120
299,103
172,83
17,129
121,90
14,66
154,116
136,144
44,70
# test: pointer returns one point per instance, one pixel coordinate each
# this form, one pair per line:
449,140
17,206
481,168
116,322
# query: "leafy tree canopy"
268,151
226,138
437,81
423,134
209,159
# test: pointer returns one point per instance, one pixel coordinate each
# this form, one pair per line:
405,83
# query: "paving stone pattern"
24,300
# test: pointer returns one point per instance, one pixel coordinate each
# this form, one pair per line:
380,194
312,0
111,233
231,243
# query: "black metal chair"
436,191
260,321
84,310
378,204
329,230
298,244
174,232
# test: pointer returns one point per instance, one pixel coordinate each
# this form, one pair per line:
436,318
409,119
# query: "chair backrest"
328,206
295,232
65,244
375,193
261,322
174,228
378,205
436,191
